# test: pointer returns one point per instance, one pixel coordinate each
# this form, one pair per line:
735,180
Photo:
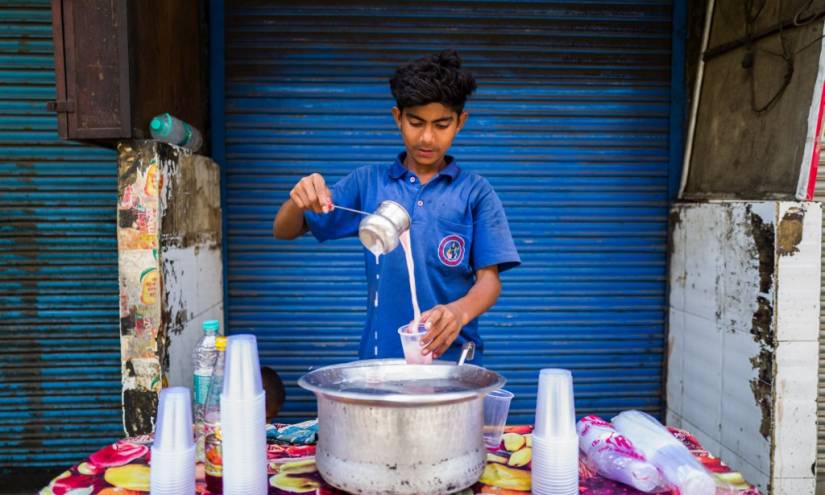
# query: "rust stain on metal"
789,232
762,327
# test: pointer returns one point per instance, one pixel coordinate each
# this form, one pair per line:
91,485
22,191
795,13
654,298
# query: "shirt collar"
398,170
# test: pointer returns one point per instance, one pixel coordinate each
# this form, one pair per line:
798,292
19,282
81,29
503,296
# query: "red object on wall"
817,149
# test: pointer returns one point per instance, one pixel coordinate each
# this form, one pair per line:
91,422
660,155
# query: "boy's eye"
416,124
442,126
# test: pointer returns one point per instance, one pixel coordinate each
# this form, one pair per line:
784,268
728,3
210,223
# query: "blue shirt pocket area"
449,247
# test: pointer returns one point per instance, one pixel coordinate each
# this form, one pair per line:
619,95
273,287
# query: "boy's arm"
289,223
444,322
310,193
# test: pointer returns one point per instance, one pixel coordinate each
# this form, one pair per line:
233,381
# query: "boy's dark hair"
275,391
433,79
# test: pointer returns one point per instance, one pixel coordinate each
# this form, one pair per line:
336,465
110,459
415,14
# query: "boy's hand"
443,324
312,193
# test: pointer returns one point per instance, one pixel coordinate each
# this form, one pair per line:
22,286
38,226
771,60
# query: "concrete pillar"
743,336
171,273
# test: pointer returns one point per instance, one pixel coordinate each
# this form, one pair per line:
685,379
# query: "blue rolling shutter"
571,126
60,359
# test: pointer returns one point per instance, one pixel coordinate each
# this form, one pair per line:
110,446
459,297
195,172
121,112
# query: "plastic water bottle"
614,457
212,422
203,362
172,130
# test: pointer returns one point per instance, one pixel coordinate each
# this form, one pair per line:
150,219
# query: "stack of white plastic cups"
172,469
243,420
555,468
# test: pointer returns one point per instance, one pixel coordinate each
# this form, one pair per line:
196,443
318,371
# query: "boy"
459,234
275,392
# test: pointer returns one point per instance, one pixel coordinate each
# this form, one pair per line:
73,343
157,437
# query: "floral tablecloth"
123,469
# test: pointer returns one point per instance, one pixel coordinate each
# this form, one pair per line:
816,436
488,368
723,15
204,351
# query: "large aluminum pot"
386,427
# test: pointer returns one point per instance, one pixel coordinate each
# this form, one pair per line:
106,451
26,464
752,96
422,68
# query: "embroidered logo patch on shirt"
451,250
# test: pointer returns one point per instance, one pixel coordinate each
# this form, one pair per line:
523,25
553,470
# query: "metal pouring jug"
380,231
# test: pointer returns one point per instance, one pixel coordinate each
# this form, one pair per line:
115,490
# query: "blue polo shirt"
458,227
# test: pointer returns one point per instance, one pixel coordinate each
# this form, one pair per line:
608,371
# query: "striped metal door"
819,195
570,125
60,359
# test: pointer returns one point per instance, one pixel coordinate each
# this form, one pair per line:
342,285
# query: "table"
123,469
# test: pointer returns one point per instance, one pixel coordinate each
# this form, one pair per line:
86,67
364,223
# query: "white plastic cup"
411,343
172,467
242,373
555,407
496,410
244,445
555,466
243,419
173,425
172,473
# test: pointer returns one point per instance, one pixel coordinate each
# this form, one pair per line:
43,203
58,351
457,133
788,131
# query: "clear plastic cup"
173,431
242,373
411,343
555,465
555,407
172,468
496,409
541,487
554,460
244,443
172,473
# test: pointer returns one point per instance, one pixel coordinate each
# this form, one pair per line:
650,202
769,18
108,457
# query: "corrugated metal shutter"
570,125
819,195
60,359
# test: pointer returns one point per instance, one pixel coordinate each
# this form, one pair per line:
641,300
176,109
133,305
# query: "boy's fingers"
321,191
440,333
435,315
299,200
431,323
318,181
311,196
436,345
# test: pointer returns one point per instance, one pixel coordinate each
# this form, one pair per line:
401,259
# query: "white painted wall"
713,367
193,277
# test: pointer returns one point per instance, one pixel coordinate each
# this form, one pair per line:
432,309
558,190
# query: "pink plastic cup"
411,342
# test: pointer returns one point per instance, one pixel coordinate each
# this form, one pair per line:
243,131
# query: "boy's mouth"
425,153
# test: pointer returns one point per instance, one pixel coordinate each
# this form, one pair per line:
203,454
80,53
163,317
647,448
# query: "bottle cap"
211,326
220,343
161,124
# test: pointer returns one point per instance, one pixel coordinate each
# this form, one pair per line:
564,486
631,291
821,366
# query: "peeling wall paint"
743,325
789,233
170,269
761,385
140,284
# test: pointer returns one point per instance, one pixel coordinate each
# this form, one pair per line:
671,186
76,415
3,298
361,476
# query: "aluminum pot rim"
410,400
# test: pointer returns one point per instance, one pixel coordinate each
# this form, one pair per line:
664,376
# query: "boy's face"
428,132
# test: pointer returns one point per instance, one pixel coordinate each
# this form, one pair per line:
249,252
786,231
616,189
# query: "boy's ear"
396,114
462,119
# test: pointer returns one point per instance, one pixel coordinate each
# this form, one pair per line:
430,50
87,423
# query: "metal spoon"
359,212
468,351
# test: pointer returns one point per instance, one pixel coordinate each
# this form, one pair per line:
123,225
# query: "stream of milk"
405,243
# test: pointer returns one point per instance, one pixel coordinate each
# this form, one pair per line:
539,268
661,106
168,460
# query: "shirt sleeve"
338,223
492,241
